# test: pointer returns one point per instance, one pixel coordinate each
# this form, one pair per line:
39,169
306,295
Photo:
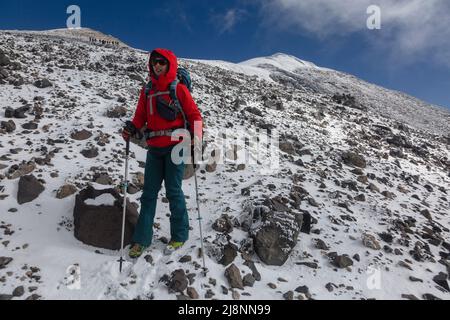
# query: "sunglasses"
160,61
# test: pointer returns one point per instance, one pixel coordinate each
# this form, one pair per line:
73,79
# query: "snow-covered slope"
392,191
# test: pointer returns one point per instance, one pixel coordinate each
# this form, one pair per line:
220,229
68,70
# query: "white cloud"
410,28
226,22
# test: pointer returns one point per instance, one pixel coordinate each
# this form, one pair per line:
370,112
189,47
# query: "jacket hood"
163,81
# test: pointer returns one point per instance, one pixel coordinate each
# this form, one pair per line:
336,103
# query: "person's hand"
129,130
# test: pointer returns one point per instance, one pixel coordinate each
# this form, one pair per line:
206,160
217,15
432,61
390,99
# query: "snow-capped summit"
280,61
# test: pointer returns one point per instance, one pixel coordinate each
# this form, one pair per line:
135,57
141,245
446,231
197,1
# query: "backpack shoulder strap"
173,96
148,88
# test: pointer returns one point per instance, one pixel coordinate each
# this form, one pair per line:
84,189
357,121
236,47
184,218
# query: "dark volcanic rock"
42,84
275,235
233,275
223,224
101,226
178,281
29,189
354,159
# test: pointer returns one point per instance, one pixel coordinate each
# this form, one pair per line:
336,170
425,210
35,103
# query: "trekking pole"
205,270
125,188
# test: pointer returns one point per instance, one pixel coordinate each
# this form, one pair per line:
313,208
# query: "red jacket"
154,121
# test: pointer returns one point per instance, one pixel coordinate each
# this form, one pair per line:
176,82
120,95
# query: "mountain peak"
281,61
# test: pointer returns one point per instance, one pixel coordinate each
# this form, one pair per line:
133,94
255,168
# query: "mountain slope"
383,207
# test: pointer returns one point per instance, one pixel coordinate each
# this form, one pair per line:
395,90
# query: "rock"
254,111
90,153
223,224
192,293
30,126
441,280
386,237
235,295
18,292
429,296
343,261
9,126
233,275
66,191
20,170
426,213
287,147
42,84
330,286
149,259
369,241
275,235
178,282
117,112
288,295
409,297
188,171
320,244
304,290
81,135
105,179
248,280
353,159
29,189
185,259
414,279
229,254
311,265
4,60
19,113
5,297
255,272
4,261
101,225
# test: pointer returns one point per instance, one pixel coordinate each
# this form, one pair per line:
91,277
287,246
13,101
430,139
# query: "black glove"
130,130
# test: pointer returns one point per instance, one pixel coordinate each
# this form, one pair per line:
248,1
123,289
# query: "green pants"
159,167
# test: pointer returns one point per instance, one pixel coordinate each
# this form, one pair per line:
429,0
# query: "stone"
101,225
233,275
66,191
117,112
275,234
9,126
43,83
223,224
4,261
369,241
19,291
320,244
81,135
248,280
441,280
185,259
229,254
178,281
192,293
30,126
29,189
343,261
351,158
90,153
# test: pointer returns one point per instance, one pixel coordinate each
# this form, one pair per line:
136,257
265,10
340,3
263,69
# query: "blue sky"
410,53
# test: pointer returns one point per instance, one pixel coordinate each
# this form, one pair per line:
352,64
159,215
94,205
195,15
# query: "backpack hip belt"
162,133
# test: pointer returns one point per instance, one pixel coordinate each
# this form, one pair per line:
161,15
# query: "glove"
130,130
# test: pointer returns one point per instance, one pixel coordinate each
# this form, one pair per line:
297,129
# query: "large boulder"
29,189
98,218
274,233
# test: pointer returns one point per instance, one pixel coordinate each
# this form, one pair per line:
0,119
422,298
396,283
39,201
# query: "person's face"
160,66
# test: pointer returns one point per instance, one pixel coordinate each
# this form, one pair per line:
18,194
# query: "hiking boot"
136,251
172,246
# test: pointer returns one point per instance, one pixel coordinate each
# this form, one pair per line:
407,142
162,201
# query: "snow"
105,199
